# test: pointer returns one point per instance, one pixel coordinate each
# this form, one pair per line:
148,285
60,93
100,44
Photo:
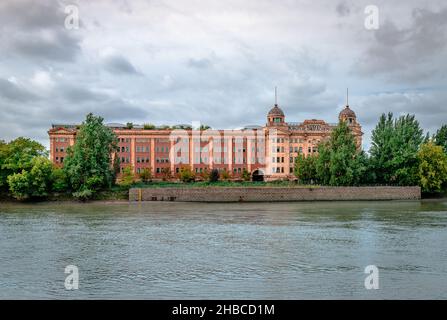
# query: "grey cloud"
28,14
342,9
200,63
61,47
36,30
119,64
11,91
78,94
407,54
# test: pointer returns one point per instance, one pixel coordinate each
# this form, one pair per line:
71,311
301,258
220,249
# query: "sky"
218,62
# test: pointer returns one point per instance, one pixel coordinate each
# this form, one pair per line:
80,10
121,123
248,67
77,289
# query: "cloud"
342,9
36,30
119,64
14,92
407,54
175,62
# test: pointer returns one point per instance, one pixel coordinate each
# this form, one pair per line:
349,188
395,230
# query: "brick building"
266,152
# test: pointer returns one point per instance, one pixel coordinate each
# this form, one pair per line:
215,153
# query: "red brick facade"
269,151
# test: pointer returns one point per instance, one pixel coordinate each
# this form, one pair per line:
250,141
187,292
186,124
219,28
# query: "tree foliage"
128,176
17,156
146,175
305,168
432,168
394,147
88,162
186,174
339,162
245,175
34,183
440,138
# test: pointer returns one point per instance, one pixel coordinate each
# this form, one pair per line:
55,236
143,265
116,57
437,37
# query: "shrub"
225,175
166,174
128,176
245,175
146,175
19,185
186,175
35,183
83,195
205,175
148,126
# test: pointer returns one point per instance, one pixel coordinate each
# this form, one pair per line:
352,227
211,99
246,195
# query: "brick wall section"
273,194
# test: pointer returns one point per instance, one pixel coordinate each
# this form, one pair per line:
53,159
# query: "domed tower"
276,117
348,115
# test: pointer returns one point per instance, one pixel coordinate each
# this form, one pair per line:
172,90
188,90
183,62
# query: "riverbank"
262,191
273,194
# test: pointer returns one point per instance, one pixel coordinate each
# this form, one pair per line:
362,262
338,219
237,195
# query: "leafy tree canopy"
88,162
432,167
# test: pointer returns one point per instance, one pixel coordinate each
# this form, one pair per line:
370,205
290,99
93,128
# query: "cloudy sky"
218,61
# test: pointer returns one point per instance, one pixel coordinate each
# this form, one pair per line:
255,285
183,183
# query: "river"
163,250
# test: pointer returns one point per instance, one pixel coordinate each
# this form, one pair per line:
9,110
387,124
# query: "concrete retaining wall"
273,194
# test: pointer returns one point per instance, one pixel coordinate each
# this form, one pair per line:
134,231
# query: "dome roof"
347,112
276,111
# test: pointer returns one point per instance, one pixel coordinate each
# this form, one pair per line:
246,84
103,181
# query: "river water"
159,250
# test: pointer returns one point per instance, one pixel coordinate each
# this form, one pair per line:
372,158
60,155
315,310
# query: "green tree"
305,168
18,155
321,163
338,163
3,155
129,125
394,150
19,185
146,175
381,150
116,166
59,180
128,176
41,176
34,183
148,126
440,138
88,162
432,167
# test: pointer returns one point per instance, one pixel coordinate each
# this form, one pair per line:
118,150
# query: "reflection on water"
224,251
